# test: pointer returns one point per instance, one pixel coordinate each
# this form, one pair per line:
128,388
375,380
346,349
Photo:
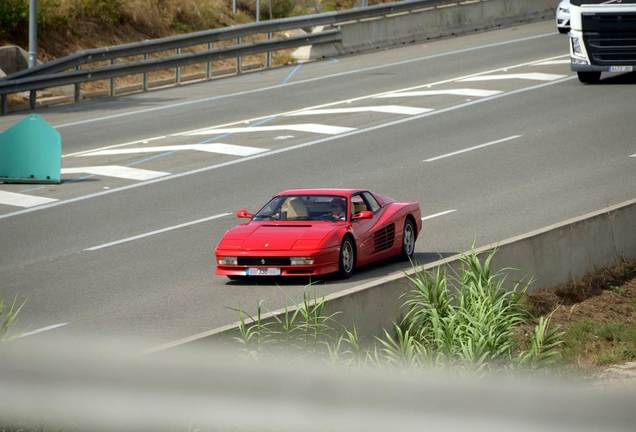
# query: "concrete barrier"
12,59
551,256
430,23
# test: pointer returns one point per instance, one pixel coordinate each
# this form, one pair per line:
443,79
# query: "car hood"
277,237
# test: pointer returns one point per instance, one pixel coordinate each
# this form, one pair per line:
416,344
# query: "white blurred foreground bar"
63,385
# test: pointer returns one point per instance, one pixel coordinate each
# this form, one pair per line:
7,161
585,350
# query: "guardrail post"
145,79
208,69
33,99
269,52
77,88
112,81
178,71
238,58
4,106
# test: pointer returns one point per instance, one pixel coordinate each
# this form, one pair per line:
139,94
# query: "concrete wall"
552,256
436,22
12,59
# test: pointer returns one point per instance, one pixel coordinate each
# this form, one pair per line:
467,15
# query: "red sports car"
309,232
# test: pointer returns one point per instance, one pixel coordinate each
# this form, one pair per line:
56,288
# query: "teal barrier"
30,152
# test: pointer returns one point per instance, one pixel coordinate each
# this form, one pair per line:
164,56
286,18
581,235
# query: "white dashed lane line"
480,146
159,231
40,330
434,215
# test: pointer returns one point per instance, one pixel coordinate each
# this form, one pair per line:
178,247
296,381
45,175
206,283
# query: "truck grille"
264,261
610,38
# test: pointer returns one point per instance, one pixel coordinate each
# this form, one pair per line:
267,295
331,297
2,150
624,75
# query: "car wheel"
408,240
563,30
347,261
589,77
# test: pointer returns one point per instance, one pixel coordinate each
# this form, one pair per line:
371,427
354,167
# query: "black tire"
408,240
563,30
589,77
347,261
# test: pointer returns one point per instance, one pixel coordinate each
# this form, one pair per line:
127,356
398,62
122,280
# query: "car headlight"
577,49
301,260
228,260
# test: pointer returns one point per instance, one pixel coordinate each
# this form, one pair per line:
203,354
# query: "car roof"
321,191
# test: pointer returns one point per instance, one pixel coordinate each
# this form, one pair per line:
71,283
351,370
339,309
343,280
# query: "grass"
8,316
594,343
473,325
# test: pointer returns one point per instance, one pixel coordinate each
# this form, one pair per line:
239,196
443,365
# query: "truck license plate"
621,68
261,271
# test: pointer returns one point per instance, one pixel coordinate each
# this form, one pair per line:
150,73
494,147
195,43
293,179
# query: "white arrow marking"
391,109
227,149
303,127
458,92
116,171
535,76
22,200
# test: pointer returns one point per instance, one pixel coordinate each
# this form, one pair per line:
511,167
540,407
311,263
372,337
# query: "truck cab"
602,37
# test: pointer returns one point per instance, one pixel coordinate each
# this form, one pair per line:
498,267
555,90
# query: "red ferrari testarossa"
309,232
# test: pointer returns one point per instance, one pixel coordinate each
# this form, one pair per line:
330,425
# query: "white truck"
602,37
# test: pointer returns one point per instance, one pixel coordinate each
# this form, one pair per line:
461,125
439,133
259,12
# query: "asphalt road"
491,132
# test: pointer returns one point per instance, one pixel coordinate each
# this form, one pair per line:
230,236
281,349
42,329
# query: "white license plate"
262,271
621,68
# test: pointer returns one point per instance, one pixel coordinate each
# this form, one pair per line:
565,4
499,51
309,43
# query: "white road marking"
283,137
141,141
305,81
634,155
23,200
290,148
159,231
390,109
40,330
348,101
552,62
227,149
439,214
117,171
535,76
303,127
458,92
472,148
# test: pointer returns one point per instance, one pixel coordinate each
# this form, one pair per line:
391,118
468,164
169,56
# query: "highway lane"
566,162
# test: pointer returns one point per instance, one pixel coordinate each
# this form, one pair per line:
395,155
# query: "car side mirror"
244,214
366,214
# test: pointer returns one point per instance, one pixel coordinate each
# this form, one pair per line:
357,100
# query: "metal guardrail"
56,72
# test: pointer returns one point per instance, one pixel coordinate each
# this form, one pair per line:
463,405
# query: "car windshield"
304,208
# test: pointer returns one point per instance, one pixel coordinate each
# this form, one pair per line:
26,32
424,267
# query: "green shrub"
14,18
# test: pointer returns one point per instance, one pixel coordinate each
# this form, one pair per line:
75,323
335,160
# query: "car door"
362,228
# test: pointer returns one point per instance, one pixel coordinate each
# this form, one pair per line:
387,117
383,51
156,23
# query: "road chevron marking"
458,92
303,127
534,76
389,109
220,148
22,200
290,148
116,171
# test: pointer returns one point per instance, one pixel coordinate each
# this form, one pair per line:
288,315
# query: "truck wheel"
589,77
